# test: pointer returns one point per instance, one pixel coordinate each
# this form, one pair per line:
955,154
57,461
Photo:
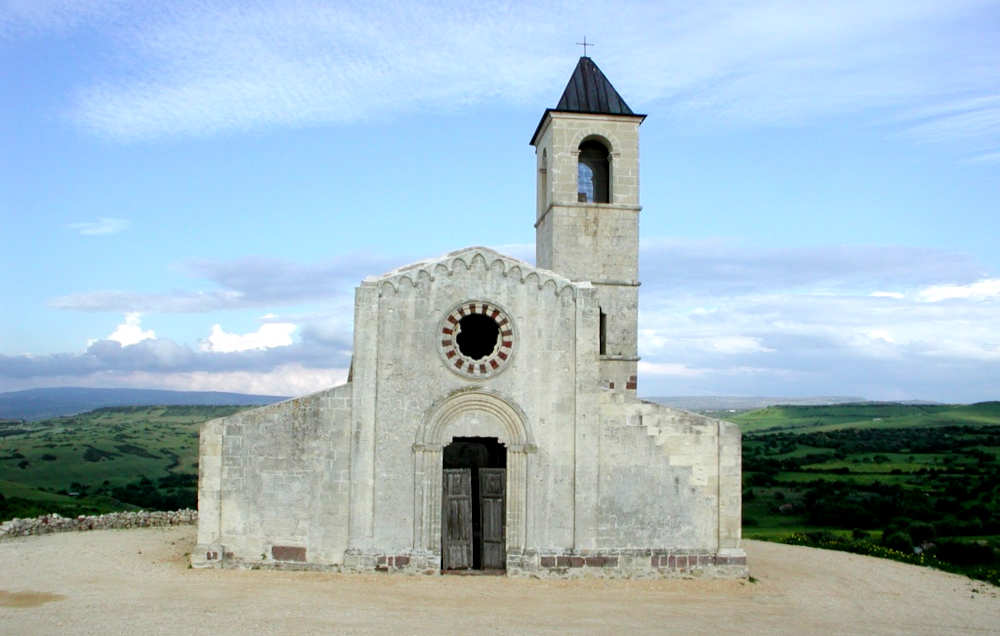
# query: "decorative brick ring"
477,339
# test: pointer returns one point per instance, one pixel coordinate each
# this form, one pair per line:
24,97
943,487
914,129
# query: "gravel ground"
138,582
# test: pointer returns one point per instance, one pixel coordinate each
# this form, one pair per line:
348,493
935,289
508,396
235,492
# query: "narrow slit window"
603,334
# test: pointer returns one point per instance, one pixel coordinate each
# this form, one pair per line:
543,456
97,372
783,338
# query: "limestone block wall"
559,140
274,482
670,479
540,383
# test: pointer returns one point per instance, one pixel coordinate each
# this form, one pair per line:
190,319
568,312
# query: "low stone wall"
56,523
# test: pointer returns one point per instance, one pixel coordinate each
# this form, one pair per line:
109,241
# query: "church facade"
490,418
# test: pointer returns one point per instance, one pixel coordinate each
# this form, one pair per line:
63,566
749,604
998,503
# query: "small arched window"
593,173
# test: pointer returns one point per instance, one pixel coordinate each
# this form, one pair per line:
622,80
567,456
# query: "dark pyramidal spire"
589,91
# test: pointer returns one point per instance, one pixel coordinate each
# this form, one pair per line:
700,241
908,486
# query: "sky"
190,191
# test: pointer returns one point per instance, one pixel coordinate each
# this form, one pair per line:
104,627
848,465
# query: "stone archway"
468,413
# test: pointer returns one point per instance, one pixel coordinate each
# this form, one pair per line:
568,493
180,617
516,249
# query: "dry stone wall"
57,523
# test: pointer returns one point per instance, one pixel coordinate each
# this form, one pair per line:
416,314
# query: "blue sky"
191,190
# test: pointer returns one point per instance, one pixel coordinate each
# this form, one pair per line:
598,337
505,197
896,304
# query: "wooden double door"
473,523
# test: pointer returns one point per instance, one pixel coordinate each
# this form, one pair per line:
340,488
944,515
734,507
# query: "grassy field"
108,459
886,479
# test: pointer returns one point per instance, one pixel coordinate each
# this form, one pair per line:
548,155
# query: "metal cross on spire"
585,44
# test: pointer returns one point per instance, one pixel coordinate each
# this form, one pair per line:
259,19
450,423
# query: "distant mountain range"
743,403
38,404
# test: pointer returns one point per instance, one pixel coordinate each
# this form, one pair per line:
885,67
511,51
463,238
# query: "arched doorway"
470,414
473,511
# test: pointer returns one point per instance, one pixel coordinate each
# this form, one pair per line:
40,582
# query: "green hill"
800,419
109,459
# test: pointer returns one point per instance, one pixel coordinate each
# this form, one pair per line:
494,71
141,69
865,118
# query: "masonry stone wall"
277,479
539,380
47,524
596,242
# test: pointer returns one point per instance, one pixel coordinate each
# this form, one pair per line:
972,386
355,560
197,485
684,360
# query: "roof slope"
589,91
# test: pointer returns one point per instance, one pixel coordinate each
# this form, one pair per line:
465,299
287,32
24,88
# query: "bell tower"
587,220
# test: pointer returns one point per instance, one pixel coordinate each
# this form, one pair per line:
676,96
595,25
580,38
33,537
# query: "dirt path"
137,582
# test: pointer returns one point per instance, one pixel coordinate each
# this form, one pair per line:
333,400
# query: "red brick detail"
501,355
446,331
630,386
654,561
496,312
548,562
459,363
682,562
502,323
595,562
576,562
671,561
507,334
446,343
562,561
493,363
402,561
452,320
450,353
472,308
288,553
611,385
506,343
482,368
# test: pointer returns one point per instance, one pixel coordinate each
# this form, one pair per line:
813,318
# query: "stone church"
490,419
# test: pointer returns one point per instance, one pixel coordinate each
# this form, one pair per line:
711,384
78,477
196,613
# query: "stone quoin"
490,419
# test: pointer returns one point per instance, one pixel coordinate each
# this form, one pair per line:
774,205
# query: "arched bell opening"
593,173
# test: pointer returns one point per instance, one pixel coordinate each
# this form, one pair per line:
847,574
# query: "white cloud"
880,334
734,345
980,290
198,67
130,332
289,379
886,294
269,335
248,282
668,369
103,225
986,157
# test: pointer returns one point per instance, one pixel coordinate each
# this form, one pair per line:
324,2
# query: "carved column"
517,504
427,497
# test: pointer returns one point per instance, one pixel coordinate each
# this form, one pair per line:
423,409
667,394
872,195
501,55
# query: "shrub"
921,532
899,541
964,553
